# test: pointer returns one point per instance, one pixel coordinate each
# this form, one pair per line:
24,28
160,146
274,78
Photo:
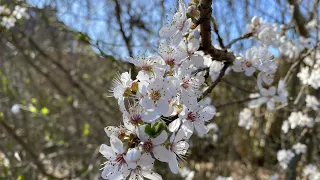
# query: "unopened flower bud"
133,155
256,21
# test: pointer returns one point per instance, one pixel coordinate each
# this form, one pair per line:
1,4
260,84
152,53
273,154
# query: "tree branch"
244,36
219,78
29,151
205,26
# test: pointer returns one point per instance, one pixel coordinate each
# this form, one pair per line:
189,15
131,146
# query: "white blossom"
300,148
312,102
284,157
15,109
179,25
245,118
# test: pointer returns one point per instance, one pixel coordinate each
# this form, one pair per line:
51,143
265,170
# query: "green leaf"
86,130
148,130
32,109
69,99
158,128
34,100
155,130
45,111
20,177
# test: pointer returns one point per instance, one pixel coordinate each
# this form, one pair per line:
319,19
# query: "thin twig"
244,36
236,86
24,145
234,102
216,30
210,88
295,64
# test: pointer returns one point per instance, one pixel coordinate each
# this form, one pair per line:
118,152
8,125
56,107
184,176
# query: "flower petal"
173,163
116,144
174,125
151,175
201,128
146,161
161,153
161,138
106,151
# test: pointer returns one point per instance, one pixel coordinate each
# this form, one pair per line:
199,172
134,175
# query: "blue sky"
231,21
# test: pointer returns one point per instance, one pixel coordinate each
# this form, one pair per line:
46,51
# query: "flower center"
146,67
120,159
122,134
170,61
147,146
155,95
181,26
191,116
185,84
171,147
135,119
248,64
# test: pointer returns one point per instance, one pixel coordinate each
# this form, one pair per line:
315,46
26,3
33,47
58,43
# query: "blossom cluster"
297,119
259,62
311,171
285,156
162,103
161,107
9,17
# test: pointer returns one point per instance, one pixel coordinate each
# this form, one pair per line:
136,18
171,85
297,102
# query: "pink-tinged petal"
186,26
264,92
184,112
182,7
187,127
151,175
142,86
107,151
143,136
146,161
272,91
135,176
117,176
146,103
150,116
237,65
270,105
116,144
179,136
197,60
174,125
176,38
208,112
161,153
111,130
165,51
161,138
143,76
173,163
122,105
193,45
282,99
250,71
201,128
162,106
257,102
107,171
183,145
167,31
132,165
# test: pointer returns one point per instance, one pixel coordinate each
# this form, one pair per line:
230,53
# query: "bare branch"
219,78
